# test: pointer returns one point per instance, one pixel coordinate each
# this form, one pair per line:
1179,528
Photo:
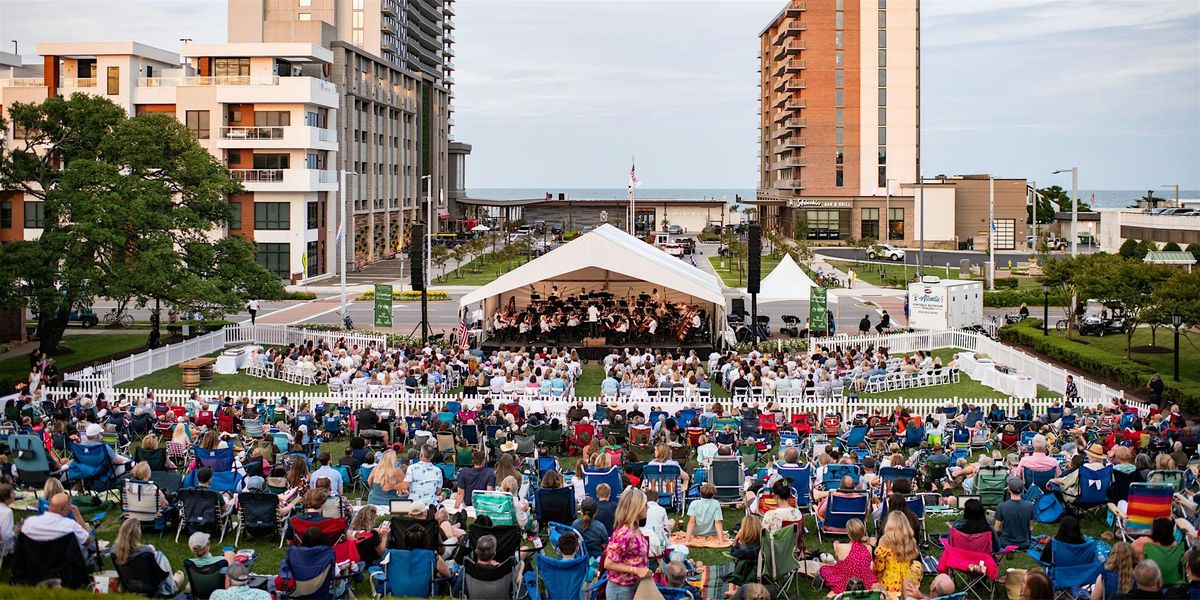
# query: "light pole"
341,237
427,260
1074,207
1177,321
991,233
1176,186
1046,310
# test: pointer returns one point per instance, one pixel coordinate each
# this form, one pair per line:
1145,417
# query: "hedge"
1087,359
1002,298
394,340
297,296
1007,282
409,295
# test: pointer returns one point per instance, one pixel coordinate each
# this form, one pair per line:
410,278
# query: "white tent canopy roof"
604,257
787,281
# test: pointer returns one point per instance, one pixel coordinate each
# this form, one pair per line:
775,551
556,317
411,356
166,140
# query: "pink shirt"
1038,461
628,547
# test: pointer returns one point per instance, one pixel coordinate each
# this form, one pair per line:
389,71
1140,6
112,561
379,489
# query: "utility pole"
1176,186
991,233
1074,208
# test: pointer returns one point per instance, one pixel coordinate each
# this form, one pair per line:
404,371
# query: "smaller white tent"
786,282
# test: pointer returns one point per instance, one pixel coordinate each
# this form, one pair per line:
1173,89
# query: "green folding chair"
777,563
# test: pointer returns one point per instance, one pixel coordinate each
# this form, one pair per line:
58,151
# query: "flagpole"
632,202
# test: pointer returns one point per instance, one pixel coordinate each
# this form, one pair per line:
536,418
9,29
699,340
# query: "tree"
801,226
1181,292
1060,274
1145,247
1194,248
1171,247
1061,200
1128,248
439,255
1130,282
129,205
1043,209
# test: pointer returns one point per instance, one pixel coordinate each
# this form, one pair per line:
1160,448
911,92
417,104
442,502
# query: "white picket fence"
1047,375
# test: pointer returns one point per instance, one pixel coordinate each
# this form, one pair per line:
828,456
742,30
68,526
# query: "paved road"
937,258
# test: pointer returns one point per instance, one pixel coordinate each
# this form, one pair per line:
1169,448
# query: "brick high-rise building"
392,61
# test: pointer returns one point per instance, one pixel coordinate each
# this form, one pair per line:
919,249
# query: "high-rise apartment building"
264,110
839,116
392,62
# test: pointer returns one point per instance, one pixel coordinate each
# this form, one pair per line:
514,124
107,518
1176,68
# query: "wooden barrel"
191,379
206,373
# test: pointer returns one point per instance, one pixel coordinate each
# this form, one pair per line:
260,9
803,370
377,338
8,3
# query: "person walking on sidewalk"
252,308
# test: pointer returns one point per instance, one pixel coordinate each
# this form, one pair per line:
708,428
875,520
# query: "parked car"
675,230
1093,325
887,251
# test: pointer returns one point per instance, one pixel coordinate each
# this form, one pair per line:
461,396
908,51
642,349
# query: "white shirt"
49,526
6,530
593,313
254,305
656,519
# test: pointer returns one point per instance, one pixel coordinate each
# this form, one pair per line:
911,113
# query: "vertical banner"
383,305
817,307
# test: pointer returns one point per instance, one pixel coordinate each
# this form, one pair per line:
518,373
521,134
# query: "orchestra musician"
645,317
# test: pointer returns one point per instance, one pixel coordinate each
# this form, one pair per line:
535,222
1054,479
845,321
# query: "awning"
443,213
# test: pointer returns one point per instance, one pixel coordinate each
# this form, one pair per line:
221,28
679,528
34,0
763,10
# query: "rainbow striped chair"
1147,501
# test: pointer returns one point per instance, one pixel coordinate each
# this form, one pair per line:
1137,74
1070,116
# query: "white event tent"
605,259
787,281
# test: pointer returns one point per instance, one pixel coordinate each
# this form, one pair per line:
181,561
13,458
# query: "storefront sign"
817,311
383,305
802,203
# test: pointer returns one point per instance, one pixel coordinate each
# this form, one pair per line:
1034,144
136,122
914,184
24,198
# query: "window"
272,161
231,67
839,177
358,20
839,58
839,78
883,58
828,224
313,215
235,215
882,38
882,77
869,227
839,19
305,3
882,176
895,223
839,116
839,4
271,215
314,255
275,258
882,4
840,158
35,214
839,97
838,133
882,19
114,81
883,136
272,118
6,214
839,40
310,161
882,155
197,123
882,97
882,116
308,16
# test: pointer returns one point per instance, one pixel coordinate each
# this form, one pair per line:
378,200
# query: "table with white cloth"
234,359
984,370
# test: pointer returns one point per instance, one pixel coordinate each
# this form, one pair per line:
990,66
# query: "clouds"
559,93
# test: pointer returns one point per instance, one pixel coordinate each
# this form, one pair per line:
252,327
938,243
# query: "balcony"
795,65
789,184
791,29
448,23
242,90
448,9
789,48
78,82
425,39
23,82
794,104
286,180
390,8
795,142
389,26
790,84
281,138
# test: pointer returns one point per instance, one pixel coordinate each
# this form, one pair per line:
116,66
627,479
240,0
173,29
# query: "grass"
588,385
489,269
171,378
731,276
79,349
1113,348
964,388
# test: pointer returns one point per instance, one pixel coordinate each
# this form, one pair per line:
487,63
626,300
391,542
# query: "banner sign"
817,308
383,305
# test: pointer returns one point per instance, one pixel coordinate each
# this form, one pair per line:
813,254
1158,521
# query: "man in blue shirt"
333,475
610,385
1014,516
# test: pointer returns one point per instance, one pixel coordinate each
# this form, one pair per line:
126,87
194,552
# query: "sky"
563,93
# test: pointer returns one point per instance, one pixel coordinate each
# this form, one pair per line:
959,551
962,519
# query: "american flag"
1093,201
462,333
633,180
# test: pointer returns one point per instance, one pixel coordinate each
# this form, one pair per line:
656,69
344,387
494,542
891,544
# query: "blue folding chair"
446,417
612,477
453,406
686,415
29,458
889,475
344,471
556,578
1054,413
974,417
667,481
405,574
470,433
281,442
545,464
92,467
1093,491
219,460
307,573
333,425
854,437
834,474
1025,414
843,506
1038,479
801,478
1074,566
913,436
555,505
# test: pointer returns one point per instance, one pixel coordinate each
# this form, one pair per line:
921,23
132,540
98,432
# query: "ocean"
1104,198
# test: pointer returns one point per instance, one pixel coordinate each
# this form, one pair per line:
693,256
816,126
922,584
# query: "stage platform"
599,351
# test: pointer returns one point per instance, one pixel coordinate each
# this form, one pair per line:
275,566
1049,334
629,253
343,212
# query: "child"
933,430
704,515
568,546
606,510
746,545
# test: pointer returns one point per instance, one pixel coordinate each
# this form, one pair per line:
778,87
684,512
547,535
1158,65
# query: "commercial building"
1119,225
393,63
264,110
839,133
653,214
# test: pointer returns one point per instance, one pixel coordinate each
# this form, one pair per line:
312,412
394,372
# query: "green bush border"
1002,298
409,295
1100,363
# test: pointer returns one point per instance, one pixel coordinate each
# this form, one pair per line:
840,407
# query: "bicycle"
1060,325
113,319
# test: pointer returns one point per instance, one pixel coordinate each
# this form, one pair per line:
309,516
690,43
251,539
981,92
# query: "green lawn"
1163,363
488,270
588,385
726,268
881,274
80,349
172,379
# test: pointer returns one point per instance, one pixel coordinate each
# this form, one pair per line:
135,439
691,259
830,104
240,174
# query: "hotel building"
839,131
392,61
264,110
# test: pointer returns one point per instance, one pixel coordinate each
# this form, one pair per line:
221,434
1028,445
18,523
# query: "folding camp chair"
141,574
139,500
200,510
558,579
1074,566
30,459
545,464
501,507
1093,492
1146,502
445,441
555,505
835,472
801,483
962,554
777,563
889,475
257,514
204,580
92,468
841,506
332,528
913,436
1038,479
405,573
991,484
307,573
612,477
1170,561
728,476
1176,478
854,437
667,481
490,581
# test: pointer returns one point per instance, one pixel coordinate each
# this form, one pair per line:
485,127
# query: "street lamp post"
1176,186
343,234
427,260
1046,309
1074,207
1176,321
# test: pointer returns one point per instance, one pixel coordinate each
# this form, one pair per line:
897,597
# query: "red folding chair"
334,529
767,423
801,424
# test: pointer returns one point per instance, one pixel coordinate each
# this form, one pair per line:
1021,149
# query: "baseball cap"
238,573
1016,484
198,540
94,430
255,483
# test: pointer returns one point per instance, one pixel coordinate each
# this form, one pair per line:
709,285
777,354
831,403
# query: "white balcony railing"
23,82
79,82
252,133
206,81
302,180
258,175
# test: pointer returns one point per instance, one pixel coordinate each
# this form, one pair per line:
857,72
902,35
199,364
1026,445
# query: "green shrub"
393,339
1002,298
708,237
297,296
1093,361
408,295
1171,247
1007,282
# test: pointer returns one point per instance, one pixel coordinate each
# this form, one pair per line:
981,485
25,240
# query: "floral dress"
892,573
856,564
628,547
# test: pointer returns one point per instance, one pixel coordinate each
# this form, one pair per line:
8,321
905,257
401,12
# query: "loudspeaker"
754,269
416,256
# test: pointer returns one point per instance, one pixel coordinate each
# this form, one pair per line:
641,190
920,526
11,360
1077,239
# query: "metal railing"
23,82
252,133
207,81
79,82
263,175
